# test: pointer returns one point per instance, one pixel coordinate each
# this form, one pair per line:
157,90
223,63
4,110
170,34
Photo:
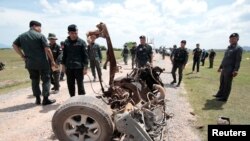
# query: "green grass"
202,86
15,76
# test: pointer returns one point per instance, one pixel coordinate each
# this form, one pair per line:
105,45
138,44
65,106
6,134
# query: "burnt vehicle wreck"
131,109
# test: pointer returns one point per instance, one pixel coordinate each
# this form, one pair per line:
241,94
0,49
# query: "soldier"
144,53
196,59
56,51
180,58
164,52
61,73
95,56
33,47
229,67
75,60
172,52
204,55
211,58
124,54
133,54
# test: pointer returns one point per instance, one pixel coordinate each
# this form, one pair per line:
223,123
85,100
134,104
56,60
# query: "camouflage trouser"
95,65
125,58
35,76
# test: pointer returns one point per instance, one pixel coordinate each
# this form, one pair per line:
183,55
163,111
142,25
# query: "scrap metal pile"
131,109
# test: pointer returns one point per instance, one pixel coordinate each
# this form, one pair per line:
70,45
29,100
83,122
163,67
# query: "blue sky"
166,22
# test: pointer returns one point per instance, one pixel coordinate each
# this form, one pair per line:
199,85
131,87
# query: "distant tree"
103,47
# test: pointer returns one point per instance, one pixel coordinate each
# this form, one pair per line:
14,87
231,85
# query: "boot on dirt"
47,101
38,100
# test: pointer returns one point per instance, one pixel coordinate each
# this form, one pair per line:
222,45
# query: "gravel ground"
21,119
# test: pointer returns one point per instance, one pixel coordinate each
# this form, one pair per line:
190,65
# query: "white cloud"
129,19
66,6
181,8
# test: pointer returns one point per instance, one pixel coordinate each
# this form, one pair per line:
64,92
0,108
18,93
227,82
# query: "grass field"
15,76
202,86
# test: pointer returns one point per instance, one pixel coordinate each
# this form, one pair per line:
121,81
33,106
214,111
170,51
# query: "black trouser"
55,79
61,75
203,62
196,62
141,64
72,76
35,76
211,62
180,70
95,65
226,78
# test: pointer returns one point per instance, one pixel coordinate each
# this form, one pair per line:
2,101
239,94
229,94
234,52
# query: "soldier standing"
196,59
164,53
124,54
133,54
75,60
229,67
172,52
144,53
56,51
95,56
211,58
33,47
180,58
204,55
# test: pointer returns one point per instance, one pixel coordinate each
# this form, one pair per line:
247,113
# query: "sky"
164,22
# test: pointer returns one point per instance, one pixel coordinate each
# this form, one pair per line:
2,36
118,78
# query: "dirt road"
21,119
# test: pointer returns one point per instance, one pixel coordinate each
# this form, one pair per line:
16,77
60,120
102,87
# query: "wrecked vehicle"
131,109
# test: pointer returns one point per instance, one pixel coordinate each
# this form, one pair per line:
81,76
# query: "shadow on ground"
169,86
46,109
18,107
213,104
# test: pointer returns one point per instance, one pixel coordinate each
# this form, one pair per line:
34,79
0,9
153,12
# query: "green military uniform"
229,64
95,58
75,59
56,51
33,44
133,55
211,58
125,53
143,54
196,59
180,59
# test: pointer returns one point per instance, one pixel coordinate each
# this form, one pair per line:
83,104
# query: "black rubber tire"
86,105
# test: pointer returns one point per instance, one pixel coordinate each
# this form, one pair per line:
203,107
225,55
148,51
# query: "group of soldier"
42,60
49,61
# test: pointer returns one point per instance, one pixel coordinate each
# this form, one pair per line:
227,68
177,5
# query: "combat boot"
38,100
47,101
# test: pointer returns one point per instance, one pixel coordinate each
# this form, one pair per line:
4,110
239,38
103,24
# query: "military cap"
184,41
234,35
175,46
52,36
72,27
36,23
142,37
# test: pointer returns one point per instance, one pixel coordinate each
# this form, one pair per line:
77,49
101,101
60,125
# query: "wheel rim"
82,127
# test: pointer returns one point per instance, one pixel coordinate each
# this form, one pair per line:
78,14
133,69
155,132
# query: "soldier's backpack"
206,55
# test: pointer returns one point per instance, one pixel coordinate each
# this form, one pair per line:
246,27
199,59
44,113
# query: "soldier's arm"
85,55
59,52
17,47
238,59
186,58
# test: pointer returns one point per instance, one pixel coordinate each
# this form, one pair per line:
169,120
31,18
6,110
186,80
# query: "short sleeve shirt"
33,45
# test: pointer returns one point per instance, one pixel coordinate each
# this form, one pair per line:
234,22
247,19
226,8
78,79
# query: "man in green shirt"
33,47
